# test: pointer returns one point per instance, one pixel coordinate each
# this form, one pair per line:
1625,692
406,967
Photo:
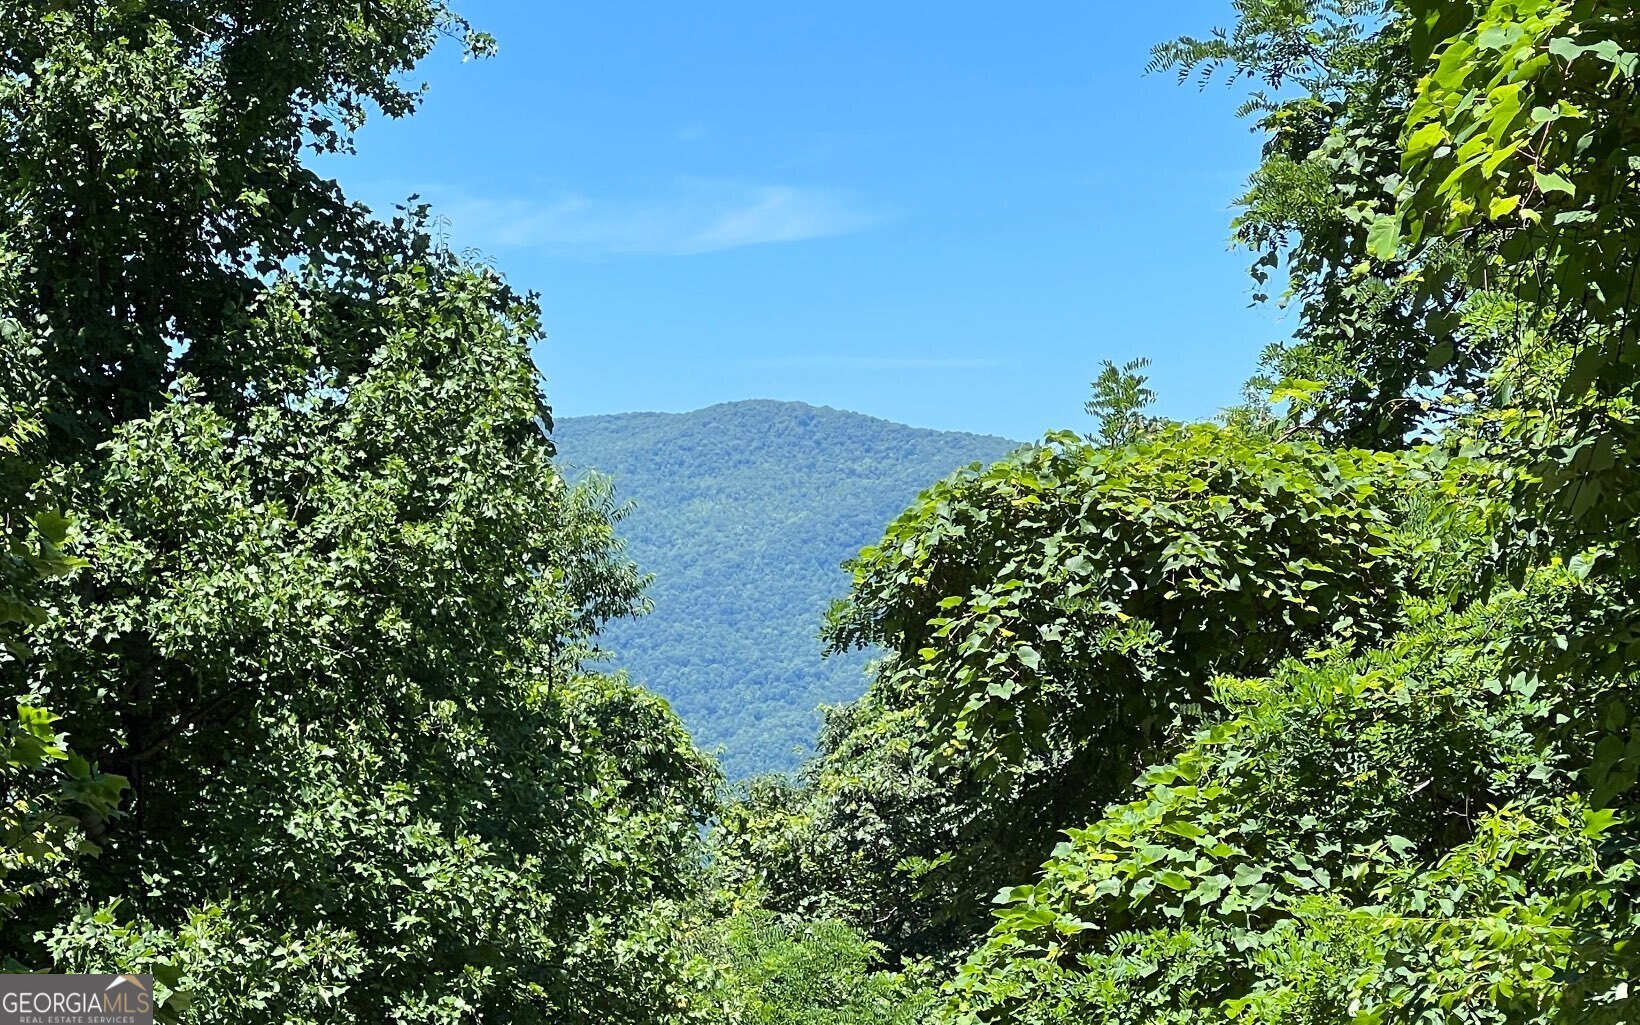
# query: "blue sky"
942,214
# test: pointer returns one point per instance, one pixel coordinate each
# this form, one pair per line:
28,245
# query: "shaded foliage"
54,797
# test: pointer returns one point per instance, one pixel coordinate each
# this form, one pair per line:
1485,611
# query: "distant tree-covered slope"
745,512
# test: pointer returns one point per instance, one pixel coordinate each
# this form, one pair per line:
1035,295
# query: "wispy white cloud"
842,362
692,217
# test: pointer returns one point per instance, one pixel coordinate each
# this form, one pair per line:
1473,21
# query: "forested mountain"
744,512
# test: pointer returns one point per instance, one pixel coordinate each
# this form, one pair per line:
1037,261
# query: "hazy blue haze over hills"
744,513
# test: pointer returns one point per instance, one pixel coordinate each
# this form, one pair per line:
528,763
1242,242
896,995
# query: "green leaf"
1548,181
53,526
1566,49
1425,139
1384,236
1174,880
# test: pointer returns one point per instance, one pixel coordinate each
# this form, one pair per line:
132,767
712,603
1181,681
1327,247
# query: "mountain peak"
744,513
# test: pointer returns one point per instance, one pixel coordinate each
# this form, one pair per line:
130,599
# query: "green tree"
1384,837
1425,813
1052,623
1381,357
1120,397
338,597
766,970
154,185
54,797
1442,826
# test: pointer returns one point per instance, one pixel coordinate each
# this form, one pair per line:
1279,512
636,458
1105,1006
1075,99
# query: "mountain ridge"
775,404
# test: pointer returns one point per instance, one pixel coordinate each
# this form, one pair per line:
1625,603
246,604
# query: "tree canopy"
337,596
